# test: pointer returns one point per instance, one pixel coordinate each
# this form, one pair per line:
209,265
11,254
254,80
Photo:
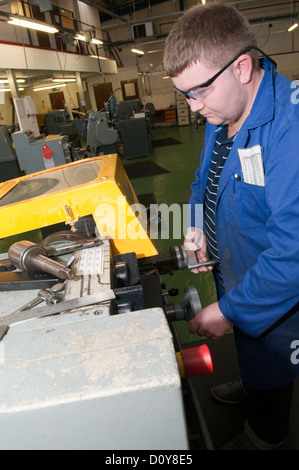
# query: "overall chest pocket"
247,205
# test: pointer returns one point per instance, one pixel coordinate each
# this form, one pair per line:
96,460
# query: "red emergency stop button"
196,361
47,152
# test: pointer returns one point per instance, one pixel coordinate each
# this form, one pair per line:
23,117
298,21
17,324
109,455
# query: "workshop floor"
172,187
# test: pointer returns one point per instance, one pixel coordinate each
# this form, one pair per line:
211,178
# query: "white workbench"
88,380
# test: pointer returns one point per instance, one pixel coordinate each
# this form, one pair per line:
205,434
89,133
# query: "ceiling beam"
104,10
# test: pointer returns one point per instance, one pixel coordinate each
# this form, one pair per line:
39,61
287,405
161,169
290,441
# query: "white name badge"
252,165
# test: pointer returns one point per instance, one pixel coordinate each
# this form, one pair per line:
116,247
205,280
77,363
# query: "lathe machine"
88,358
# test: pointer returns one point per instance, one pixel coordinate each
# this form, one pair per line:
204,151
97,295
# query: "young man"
248,184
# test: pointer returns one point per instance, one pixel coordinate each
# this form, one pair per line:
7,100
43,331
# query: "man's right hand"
195,240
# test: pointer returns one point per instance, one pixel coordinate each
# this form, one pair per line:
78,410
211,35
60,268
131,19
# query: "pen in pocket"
236,177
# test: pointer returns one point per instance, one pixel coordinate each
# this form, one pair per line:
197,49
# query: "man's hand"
195,240
209,322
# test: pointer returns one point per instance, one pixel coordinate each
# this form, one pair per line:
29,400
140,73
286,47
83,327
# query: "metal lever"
176,258
191,262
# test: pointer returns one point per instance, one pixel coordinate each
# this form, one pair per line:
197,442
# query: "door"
57,100
102,93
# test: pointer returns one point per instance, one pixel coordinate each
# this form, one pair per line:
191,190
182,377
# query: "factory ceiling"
119,13
260,13
264,15
253,9
120,8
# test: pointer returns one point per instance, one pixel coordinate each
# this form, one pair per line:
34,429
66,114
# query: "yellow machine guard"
98,186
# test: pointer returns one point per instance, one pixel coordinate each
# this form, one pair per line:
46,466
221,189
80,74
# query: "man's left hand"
209,322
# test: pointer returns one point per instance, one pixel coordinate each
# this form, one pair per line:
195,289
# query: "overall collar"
262,110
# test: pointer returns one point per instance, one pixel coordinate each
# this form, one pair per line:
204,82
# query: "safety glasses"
192,92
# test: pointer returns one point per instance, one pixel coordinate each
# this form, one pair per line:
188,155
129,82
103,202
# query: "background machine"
9,165
124,126
37,153
133,124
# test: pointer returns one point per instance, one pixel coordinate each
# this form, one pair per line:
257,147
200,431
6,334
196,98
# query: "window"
20,8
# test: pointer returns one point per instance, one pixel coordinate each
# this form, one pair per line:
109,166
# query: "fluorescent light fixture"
137,51
155,51
96,41
80,37
8,89
64,80
19,80
86,38
98,57
294,26
164,78
32,25
48,87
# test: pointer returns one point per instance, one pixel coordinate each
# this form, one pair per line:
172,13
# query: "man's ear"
244,68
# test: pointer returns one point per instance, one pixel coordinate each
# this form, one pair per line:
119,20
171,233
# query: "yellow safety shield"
98,186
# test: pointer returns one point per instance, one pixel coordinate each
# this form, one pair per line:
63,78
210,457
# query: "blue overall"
257,231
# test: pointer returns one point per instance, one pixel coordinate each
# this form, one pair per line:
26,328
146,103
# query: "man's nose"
195,105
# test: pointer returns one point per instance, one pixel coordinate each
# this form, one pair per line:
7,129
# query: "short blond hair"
213,34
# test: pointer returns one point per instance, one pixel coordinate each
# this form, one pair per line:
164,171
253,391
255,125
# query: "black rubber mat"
143,169
147,199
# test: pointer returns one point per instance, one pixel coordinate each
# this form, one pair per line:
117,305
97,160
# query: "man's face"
221,103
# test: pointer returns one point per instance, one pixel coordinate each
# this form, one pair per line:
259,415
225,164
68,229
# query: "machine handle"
187,308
